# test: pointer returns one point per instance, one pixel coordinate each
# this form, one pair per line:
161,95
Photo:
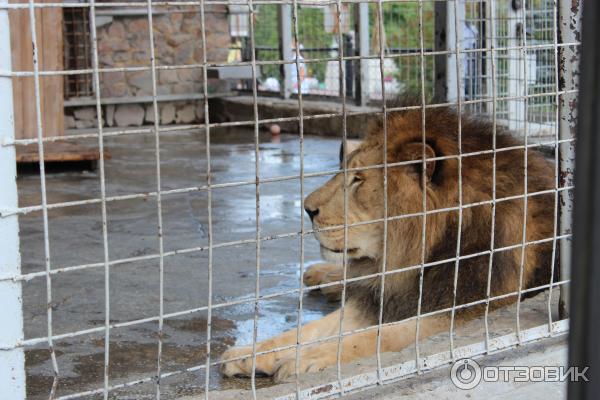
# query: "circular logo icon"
465,374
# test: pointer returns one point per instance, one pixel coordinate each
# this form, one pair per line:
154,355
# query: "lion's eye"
356,180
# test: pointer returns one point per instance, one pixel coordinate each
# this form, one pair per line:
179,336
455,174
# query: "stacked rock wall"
124,41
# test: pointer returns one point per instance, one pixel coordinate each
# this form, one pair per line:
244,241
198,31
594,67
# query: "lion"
421,275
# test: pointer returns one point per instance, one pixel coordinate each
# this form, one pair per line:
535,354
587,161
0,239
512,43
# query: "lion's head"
363,184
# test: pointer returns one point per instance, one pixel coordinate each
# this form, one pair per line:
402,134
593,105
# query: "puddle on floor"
134,355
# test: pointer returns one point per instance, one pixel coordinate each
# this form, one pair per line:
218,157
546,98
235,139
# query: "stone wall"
124,41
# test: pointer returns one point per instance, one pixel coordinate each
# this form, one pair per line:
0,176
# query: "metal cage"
513,61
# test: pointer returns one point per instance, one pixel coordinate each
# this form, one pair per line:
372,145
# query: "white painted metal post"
363,51
569,28
12,361
453,39
285,43
516,84
490,36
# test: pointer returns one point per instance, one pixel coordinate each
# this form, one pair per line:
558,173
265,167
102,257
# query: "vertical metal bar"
285,48
440,88
424,185
12,362
349,52
446,83
569,28
96,80
91,25
302,228
384,266
384,150
362,41
256,192
460,182
40,143
525,105
515,66
489,34
554,23
447,35
159,227
209,201
491,14
342,70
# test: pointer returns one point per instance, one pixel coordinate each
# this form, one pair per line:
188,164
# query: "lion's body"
474,152
441,228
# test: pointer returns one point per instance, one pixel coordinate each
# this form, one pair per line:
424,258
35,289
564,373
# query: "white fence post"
12,361
362,19
516,73
453,43
285,44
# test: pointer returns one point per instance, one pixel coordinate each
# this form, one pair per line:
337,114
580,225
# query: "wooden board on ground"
61,152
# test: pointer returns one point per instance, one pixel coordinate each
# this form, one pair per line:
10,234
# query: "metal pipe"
12,361
569,27
285,48
363,42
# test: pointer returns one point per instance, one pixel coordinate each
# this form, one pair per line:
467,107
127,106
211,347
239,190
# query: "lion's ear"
353,144
414,151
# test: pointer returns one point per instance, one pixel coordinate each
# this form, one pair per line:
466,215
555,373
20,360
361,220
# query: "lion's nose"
311,213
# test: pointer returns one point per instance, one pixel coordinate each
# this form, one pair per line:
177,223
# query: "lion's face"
365,202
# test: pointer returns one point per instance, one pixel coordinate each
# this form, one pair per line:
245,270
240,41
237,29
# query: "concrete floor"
76,238
78,297
437,386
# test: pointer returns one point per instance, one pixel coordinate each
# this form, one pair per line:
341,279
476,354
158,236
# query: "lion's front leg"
270,362
363,344
317,356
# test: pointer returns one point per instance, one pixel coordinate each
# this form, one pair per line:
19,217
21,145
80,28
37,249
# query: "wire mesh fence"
509,63
317,28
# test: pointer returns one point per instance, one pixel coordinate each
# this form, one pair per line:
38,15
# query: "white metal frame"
12,361
12,343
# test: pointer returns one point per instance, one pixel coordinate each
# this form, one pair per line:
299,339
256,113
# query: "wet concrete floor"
75,233
78,297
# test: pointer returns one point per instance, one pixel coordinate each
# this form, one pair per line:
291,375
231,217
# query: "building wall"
124,41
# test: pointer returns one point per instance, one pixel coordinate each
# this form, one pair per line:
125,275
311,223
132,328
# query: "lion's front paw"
287,367
242,365
325,273
239,367
320,273
312,276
